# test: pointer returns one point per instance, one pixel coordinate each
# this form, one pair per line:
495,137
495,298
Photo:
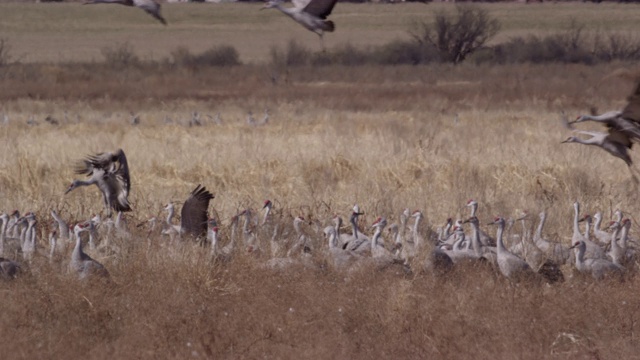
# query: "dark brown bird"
194,214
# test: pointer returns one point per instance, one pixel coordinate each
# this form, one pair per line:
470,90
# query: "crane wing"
194,212
320,8
300,4
151,7
632,110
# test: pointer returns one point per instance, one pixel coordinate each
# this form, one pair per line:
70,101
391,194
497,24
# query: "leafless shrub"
121,55
457,35
223,55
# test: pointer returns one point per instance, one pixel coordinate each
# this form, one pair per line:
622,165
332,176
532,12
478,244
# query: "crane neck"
245,226
623,237
474,209
475,238
576,215
597,223
213,237
587,228
170,215
499,242
266,215
376,237
543,219
416,225
333,240
77,250
354,227
457,246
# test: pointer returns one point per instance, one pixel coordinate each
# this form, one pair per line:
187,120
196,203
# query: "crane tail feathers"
329,26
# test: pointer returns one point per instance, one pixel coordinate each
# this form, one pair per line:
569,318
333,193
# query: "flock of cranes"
313,244
312,14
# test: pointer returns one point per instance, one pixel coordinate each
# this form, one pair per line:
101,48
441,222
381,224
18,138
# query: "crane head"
380,222
570,139
267,204
497,221
472,202
472,220
72,186
586,217
270,4
578,245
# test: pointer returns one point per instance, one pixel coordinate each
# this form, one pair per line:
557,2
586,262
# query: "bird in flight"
312,14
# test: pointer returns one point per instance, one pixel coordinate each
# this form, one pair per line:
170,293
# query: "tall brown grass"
383,137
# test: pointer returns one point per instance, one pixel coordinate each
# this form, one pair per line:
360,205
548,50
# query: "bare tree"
457,35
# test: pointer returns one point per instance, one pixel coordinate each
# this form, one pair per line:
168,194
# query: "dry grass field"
386,138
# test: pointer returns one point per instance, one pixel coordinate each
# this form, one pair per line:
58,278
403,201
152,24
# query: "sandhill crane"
13,219
626,123
377,246
265,118
340,258
593,250
359,243
485,239
63,228
415,241
248,236
29,243
602,236
618,252
510,265
82,263
457,252
312,14
301,244
152,7
268,205
558,253
110,173
598,268
194,216
610,142
480,250
195,119
212,235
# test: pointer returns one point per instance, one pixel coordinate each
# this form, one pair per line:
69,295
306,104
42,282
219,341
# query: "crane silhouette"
312,14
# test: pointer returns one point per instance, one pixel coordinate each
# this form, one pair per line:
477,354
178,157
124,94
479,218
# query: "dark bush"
121,55
457,35
223,55
294,55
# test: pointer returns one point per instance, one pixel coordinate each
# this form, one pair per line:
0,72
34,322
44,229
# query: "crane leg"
322,43
634,176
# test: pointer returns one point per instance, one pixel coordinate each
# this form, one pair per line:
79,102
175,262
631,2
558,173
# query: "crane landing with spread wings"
110,173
